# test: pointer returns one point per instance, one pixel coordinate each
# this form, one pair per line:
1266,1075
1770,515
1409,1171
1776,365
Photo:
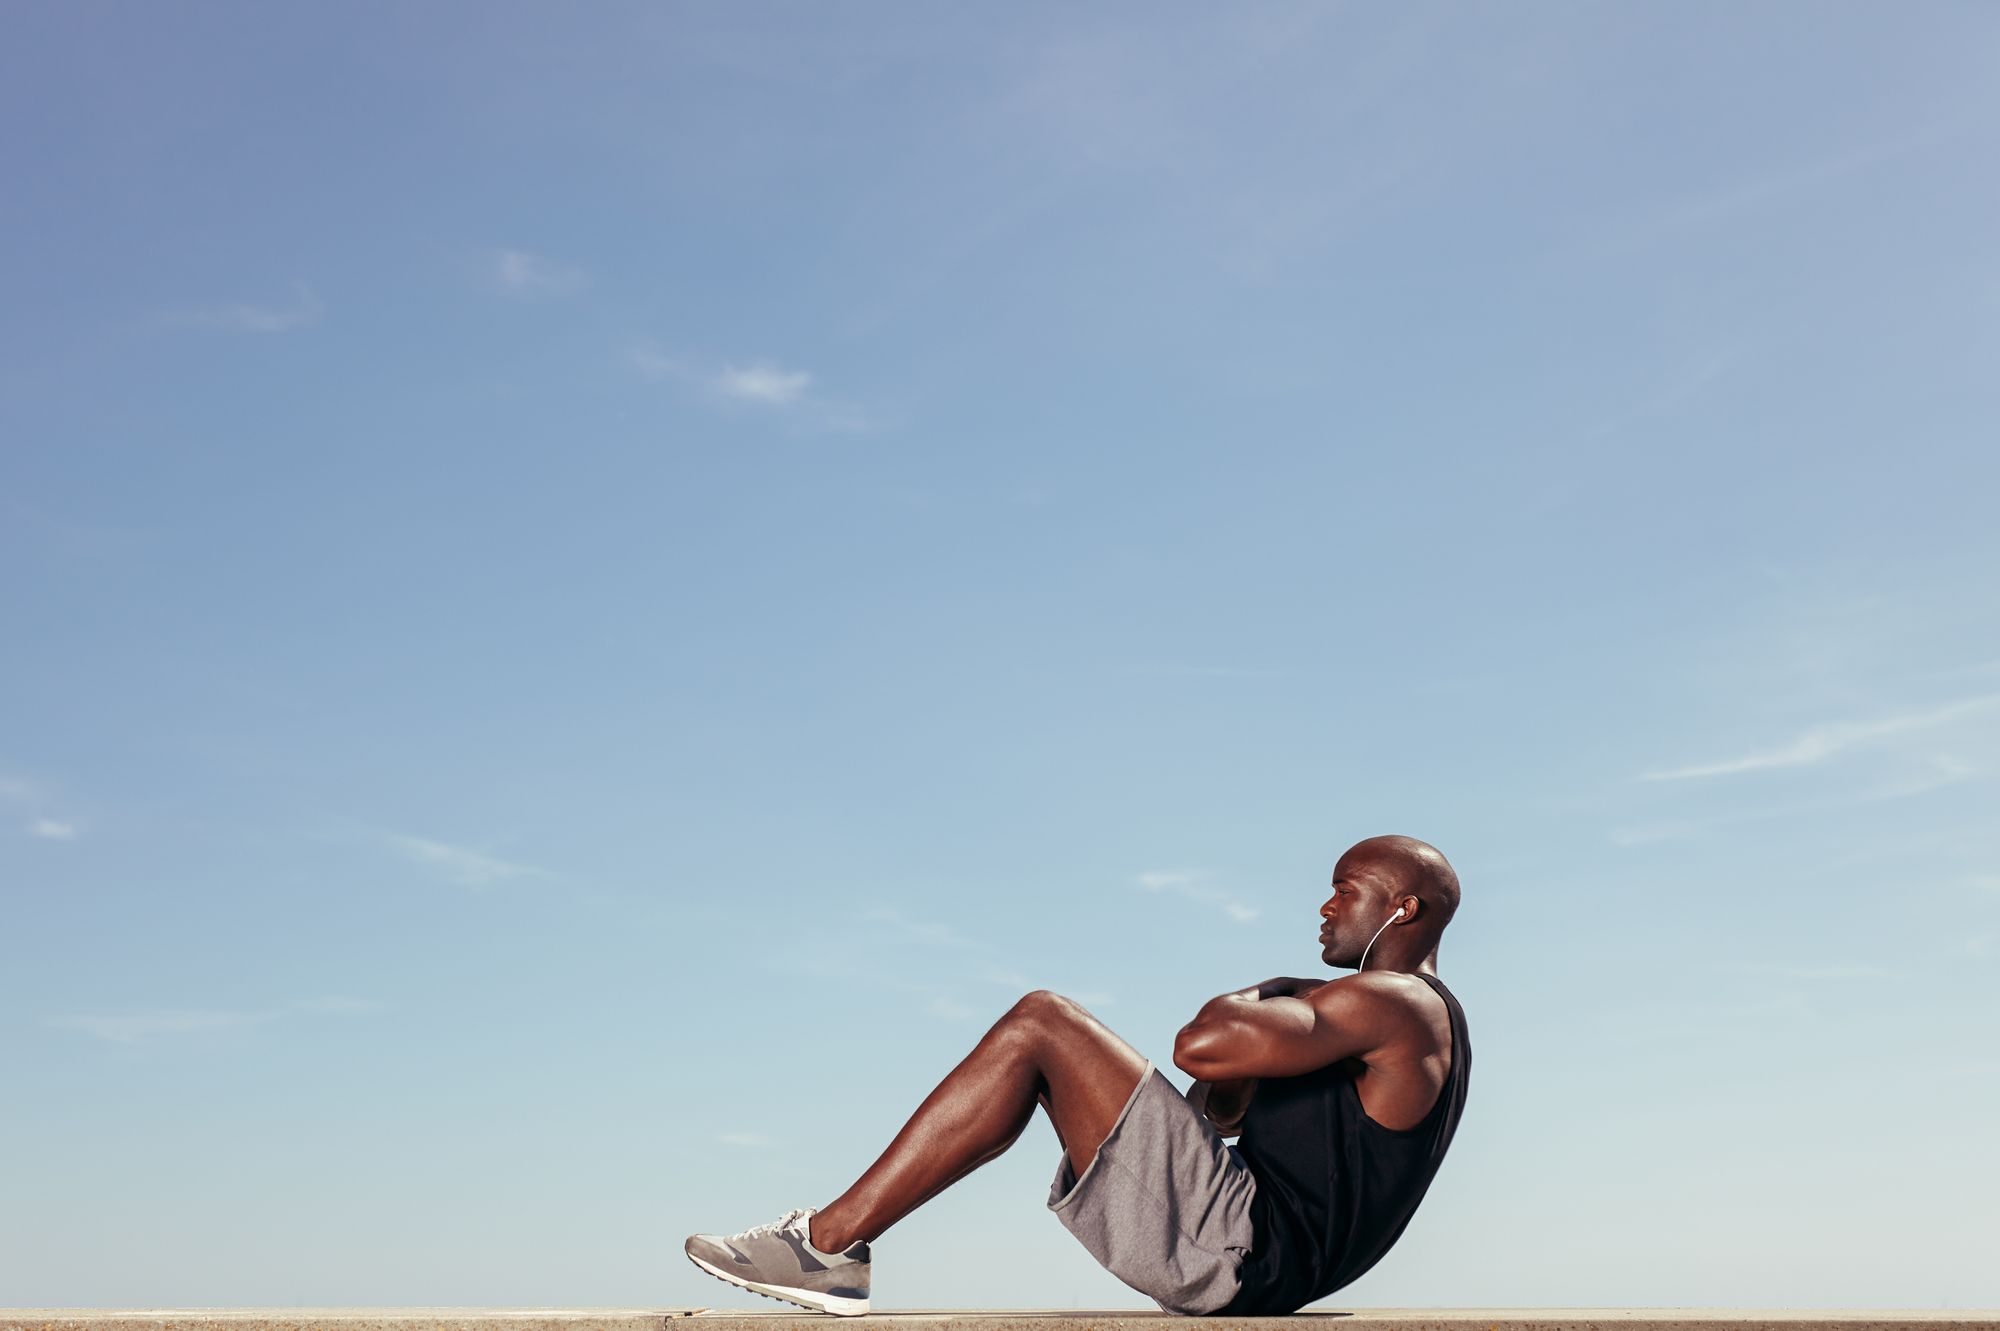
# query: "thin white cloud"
304,309
1022,984
657,365
1194,886
520,273
1778,183
781,392
131,1027
856,968
762,383
1941,770
166,1023
460,864
343,1007
1806,971
1820,743
1935,773
951,1010
1976,670
928,933
1649,834
32,797
747,1140
1694,1020
1209,671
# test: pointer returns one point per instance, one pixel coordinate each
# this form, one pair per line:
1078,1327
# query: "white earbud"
1378,933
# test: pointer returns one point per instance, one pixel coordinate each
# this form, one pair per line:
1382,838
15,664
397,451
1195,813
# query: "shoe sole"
804,1298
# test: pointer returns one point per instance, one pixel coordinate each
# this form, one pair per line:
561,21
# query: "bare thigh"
1088,1074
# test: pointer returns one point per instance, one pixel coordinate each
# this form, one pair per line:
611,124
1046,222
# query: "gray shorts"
1165,1206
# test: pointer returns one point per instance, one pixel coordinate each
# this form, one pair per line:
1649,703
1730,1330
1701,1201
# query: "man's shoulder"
1389,986
1390,999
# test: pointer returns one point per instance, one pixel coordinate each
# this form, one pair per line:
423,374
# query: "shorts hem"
1076,1188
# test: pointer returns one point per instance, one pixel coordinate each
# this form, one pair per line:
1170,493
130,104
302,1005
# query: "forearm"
1227,1101
1223,1101
1281,986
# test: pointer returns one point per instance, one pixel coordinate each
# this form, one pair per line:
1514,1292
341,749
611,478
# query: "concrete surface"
1059,1319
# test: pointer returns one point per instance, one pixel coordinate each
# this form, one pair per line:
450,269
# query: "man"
1345,1093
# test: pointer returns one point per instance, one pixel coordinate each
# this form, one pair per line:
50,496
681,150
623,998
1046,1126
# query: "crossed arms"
1280,1028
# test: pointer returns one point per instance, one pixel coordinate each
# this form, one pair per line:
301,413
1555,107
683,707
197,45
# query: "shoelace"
782,1222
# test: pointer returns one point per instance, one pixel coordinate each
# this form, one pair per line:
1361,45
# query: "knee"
1043,1010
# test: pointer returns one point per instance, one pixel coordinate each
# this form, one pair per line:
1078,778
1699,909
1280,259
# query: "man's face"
1362,901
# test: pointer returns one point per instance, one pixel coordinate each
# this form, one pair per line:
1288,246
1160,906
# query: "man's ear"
1409,906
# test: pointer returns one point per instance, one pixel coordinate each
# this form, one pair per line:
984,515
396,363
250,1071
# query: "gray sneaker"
779,1260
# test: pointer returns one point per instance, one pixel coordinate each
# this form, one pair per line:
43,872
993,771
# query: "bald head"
1420,870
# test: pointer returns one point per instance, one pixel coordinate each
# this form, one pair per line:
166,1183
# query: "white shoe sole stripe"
805,1298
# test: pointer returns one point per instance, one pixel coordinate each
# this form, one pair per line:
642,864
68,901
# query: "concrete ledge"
341,1319
1058,1319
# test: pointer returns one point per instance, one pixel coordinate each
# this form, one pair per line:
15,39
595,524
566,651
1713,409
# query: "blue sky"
550,553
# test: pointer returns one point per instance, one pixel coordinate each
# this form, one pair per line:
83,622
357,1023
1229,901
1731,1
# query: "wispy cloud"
1195,887
1942,770
1775,184
1936,773
1199,671
747,1140
341,1006
304,309
1820,743
855,966
1713,1019
783,392
131,1027
1072,102
149,1024
1018,983
32,798
928,933
762,382
520,273
951,1009
1805,971
460,864
935,934
660,367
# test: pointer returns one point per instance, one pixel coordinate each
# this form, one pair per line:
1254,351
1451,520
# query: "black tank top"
1334,1187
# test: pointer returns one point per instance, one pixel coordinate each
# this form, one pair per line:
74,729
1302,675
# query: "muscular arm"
1225,1101
1237,1036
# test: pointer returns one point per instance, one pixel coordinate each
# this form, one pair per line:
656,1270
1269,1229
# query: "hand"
1287,986
1223,1103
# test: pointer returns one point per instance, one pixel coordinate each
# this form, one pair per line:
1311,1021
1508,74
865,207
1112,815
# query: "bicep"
1281,1037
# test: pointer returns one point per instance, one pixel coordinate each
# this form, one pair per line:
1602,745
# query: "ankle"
825,1235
